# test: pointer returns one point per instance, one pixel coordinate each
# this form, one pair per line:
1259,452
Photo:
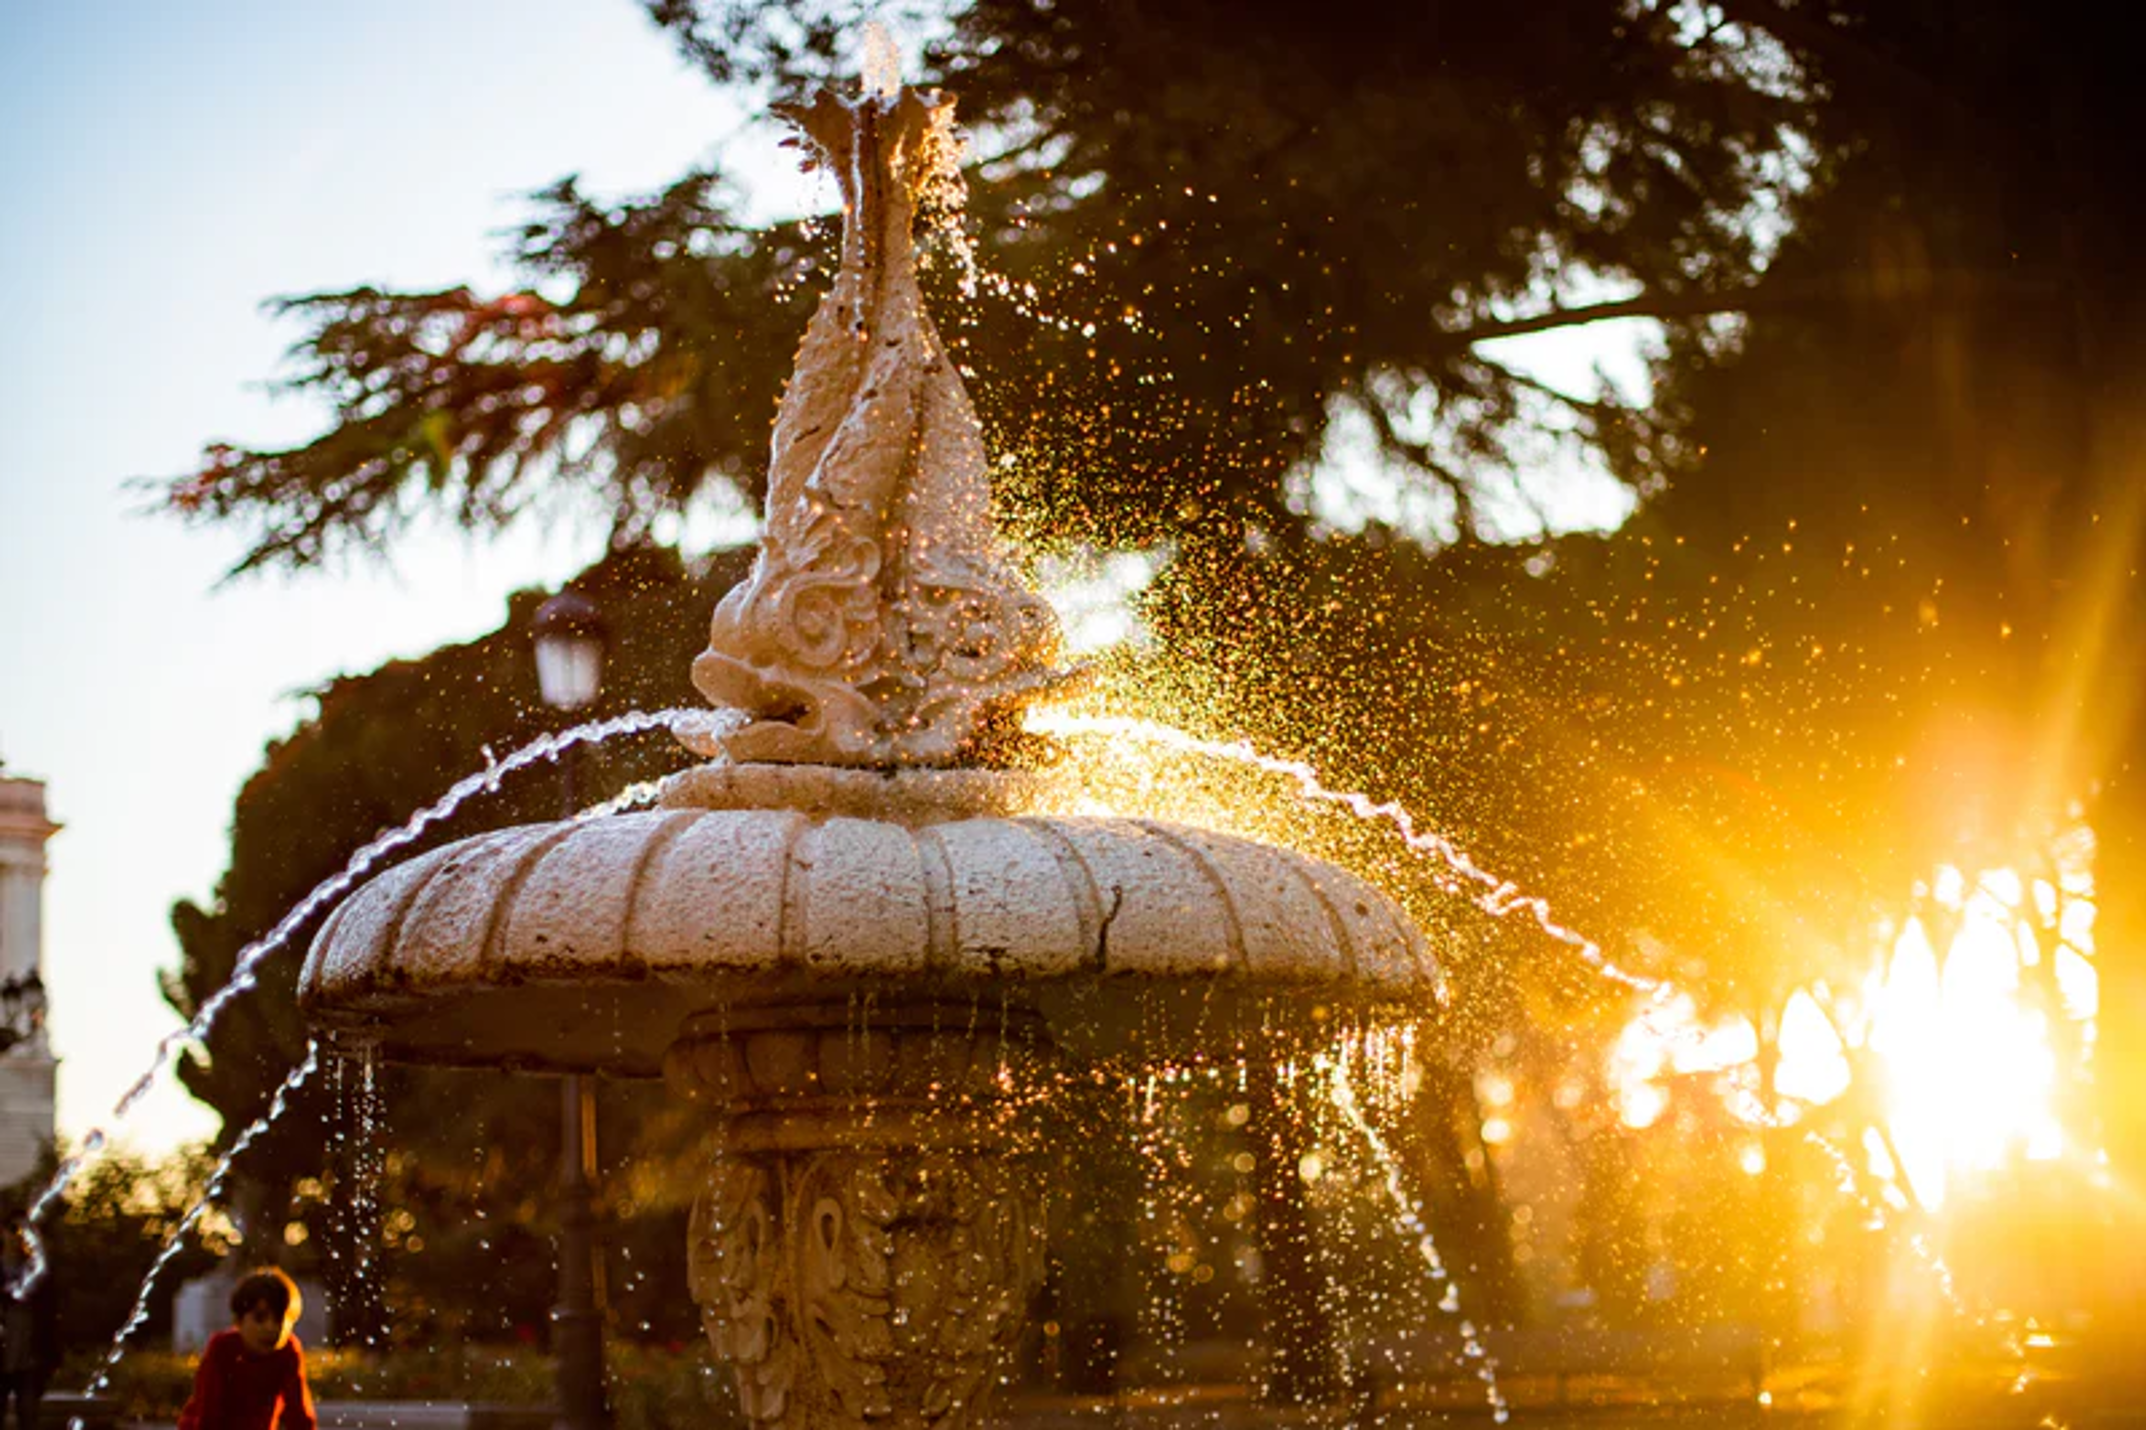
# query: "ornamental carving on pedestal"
868,1240
847,1288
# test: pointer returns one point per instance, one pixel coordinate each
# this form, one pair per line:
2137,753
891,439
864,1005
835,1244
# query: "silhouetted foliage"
1959,462
103,1237
654,372
1190,268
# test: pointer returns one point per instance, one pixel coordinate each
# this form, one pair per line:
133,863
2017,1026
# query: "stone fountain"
857,934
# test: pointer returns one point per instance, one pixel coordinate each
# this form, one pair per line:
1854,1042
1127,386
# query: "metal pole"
578,1322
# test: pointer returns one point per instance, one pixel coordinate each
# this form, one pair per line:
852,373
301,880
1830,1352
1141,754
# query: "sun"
1977,1014
1977,1017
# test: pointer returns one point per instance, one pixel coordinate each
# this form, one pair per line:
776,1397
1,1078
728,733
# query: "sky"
165,168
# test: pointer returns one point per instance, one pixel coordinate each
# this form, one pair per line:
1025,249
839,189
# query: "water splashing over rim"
880,66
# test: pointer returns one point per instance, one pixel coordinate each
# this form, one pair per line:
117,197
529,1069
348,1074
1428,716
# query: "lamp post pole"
578,1320
570,642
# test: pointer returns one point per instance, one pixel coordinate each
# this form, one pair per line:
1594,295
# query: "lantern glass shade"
570,668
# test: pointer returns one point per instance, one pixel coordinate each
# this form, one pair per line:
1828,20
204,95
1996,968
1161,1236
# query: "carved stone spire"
880,624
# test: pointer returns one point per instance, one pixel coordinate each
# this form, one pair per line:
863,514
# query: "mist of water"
1498,897
1495,896
882,61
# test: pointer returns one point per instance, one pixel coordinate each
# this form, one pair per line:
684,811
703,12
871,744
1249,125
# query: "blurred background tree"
1325,212
108,1230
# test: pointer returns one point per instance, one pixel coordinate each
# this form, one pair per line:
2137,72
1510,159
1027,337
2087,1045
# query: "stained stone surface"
589,945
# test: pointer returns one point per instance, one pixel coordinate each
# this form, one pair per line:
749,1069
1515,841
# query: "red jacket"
237,1390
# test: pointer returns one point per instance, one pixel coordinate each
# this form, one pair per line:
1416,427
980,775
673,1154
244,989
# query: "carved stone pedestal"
870,1235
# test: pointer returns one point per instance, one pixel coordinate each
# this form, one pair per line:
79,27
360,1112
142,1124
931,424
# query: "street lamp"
22,1009
571,638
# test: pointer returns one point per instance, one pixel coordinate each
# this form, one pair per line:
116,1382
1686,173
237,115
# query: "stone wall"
28,1071
26,1105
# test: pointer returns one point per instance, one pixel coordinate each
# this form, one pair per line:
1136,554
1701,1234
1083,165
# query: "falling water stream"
1409,1217
1162,1204
368,1166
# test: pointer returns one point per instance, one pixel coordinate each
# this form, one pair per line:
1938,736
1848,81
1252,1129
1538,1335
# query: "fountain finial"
881,624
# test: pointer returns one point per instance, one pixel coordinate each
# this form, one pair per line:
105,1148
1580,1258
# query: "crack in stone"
1102,933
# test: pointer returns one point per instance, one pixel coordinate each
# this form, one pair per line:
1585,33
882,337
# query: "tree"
105,1237
1882,610
1319,214
1982,403
652,377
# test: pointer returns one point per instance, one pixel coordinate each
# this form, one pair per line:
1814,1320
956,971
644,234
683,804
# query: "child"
253,1376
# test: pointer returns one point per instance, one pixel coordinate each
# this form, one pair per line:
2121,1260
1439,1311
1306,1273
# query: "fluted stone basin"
590,945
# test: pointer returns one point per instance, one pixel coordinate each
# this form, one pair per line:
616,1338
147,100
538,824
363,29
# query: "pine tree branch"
1645,305
1594,408
1419,455
1928,285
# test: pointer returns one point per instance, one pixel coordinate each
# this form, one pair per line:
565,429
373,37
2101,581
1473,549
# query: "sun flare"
1975,1018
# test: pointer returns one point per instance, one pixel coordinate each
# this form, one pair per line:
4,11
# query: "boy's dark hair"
266,1287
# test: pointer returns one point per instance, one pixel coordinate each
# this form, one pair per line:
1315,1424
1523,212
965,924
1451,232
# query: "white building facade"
27,1067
